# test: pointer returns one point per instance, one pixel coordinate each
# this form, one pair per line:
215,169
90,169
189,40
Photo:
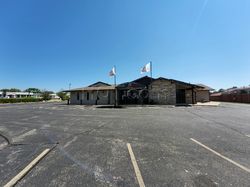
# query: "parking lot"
89,146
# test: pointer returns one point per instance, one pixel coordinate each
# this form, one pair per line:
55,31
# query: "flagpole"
151,73
151,70
115,87
115,76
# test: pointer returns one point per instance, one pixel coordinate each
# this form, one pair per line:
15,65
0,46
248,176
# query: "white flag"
146,68
112,72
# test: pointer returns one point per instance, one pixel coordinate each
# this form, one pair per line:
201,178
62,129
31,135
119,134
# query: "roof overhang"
100,88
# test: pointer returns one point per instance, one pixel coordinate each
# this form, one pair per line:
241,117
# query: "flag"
146,68
112,72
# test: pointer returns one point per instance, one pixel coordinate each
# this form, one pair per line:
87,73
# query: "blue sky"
51,43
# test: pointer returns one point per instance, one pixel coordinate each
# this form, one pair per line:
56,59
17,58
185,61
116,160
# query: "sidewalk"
211,103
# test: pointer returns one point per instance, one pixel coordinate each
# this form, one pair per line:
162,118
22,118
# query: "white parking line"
135,165
248,135
22,136
20,175
220,155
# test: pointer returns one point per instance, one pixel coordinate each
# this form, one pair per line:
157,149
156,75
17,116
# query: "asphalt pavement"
172,146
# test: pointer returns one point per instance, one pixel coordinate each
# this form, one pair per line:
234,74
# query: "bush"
20,100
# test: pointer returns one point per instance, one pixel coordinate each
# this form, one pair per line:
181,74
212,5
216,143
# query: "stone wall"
202,96
162,92
189,99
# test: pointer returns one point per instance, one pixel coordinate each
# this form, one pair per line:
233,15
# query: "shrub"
20,100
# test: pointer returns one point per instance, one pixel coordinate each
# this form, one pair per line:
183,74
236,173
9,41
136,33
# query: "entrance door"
108,97
180,96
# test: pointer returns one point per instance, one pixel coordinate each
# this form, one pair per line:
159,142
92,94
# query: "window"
78,96
87,95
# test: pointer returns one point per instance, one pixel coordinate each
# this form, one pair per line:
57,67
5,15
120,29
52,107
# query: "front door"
180,96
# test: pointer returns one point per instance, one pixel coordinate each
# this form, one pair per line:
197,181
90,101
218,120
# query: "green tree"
243,92
15,90
5,90
33,90
11,90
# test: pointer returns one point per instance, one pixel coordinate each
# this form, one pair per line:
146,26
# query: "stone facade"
189,95
202,96
144,90
162,92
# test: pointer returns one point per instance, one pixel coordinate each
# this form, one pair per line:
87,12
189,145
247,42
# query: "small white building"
16,94
54,96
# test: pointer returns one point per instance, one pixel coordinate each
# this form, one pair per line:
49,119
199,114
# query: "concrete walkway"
211,103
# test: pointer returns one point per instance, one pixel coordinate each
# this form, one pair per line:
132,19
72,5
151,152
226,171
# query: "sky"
49,44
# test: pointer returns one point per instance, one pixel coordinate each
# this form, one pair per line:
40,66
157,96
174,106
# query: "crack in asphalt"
5,138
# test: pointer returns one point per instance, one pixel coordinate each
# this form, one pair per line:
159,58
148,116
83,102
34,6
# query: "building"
144,90
203,94
170,91
15,94
19,95
54,96
239,95
134,92
98,93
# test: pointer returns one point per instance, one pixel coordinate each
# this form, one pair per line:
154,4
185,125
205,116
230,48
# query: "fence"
238,98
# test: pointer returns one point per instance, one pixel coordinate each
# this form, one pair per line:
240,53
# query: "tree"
63,95
11,90
15,90
5,90
33,90
243,91
45,95
221,90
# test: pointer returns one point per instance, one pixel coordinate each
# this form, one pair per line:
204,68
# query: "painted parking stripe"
136,167
221,156
248,135
20,175
22,136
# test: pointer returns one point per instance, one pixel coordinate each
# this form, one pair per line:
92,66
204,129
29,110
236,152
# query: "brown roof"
179,82
205,87
216,94
99,83
99,88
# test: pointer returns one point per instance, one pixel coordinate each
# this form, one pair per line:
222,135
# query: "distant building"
19,94
54,96
240,95
15,94
144,90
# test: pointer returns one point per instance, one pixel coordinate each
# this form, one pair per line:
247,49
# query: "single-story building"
145,90
99,93
203,94
15,94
